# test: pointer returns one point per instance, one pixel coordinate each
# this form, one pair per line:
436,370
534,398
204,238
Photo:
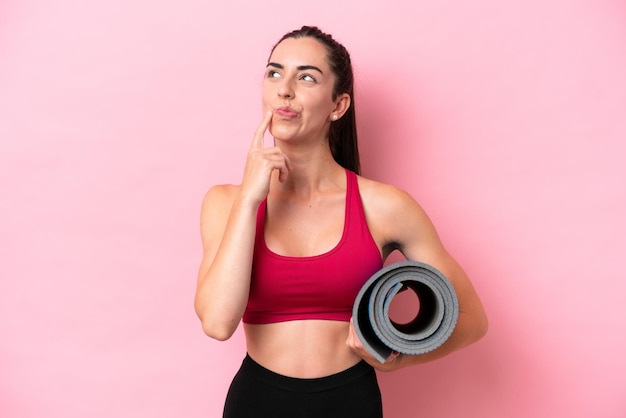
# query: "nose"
285,90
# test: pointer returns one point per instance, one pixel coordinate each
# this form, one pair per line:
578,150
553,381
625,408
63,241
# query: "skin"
306,189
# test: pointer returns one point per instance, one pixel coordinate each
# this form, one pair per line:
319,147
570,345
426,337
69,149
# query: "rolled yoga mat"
435,320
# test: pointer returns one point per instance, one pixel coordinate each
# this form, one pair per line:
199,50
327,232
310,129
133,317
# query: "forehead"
300,51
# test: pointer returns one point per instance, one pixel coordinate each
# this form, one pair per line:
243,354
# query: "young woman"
288,249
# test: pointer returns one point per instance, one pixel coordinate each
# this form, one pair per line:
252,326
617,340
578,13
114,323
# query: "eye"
308,77
273,74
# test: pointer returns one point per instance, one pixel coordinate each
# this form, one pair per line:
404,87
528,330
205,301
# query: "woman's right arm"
228,225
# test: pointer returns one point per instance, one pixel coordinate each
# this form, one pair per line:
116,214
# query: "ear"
342,104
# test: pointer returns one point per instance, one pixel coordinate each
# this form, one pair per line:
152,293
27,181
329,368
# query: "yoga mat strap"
432,326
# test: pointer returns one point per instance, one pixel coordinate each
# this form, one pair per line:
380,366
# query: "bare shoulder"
219,196
394,217
385,200
216,207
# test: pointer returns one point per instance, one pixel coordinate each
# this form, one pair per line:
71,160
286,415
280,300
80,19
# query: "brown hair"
342,135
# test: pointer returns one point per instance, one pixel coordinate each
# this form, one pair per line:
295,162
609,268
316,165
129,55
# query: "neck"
312,167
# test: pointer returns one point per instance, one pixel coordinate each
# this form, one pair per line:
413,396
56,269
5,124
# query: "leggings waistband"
308,385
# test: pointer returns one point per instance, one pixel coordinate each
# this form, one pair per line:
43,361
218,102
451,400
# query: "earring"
335,117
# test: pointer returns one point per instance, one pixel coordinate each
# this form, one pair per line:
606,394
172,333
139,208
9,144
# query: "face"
298,88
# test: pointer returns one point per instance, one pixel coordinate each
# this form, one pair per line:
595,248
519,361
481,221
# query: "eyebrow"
299,68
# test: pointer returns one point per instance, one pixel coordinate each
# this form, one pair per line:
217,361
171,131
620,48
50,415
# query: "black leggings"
257,392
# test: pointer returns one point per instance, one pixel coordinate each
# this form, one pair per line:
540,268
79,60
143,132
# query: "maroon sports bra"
285,288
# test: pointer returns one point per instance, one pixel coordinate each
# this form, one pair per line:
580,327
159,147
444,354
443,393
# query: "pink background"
506,120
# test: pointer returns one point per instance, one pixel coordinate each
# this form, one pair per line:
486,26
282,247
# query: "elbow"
472,328
481,326
214,325
220,331
217,334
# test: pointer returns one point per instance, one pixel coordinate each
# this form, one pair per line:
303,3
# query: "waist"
306,385
303,348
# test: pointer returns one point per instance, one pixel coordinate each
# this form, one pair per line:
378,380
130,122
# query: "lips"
286,112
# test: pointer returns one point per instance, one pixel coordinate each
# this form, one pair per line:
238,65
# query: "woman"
288,249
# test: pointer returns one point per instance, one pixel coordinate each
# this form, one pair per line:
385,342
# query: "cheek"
268,95
265,103
321,110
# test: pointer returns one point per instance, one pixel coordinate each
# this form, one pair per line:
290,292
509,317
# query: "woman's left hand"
391,363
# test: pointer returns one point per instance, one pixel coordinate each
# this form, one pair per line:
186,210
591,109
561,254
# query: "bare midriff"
304,349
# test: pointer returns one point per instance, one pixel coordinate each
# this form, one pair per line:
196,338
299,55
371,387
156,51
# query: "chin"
282,134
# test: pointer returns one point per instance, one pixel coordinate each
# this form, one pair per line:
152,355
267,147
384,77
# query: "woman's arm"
228,225
227,231
403,225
